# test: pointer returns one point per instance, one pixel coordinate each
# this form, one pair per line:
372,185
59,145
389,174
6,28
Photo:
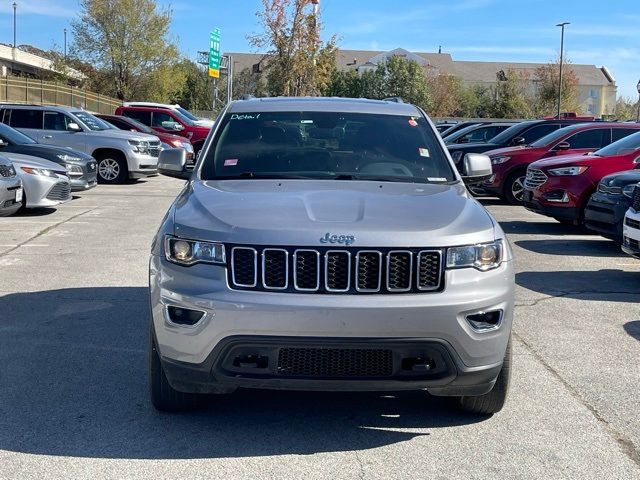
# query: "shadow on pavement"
73,382
633,329
34,212
574,248
601,285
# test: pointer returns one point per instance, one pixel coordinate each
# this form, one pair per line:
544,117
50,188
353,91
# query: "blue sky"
602,32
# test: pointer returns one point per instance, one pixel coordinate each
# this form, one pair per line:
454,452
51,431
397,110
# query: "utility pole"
561,25
65,44
15,5
638,114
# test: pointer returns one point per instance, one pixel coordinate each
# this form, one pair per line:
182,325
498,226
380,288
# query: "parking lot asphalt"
73,386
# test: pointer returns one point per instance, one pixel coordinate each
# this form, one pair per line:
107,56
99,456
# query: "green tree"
300,63
626,109
446,95
128,40
512,98
546,79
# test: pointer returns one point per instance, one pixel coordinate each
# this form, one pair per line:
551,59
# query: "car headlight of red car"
567,171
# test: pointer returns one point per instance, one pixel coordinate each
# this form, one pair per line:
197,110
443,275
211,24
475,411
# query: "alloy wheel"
109,169
517,188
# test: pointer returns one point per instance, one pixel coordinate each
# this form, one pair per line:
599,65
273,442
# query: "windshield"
554,136
93,123
510,133
623,146
187,113
140,126
13,136
327,145
458,134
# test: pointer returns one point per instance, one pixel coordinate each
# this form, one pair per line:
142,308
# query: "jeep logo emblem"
343,239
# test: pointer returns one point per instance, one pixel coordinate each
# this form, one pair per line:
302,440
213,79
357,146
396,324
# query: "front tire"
492,402
163,396
514,187
112,168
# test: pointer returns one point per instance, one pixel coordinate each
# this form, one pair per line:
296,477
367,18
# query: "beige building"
596,84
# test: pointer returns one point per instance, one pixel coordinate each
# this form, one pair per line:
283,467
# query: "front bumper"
631,235
141,166
566,213
80,184
194,356
42,192
605,214
8,188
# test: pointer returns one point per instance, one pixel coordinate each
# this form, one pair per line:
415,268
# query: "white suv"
120,155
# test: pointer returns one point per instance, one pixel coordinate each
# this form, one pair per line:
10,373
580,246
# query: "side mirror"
173,163
177,127
517,141
73,127
562,146
476,168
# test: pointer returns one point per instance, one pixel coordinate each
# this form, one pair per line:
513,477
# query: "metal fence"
42,92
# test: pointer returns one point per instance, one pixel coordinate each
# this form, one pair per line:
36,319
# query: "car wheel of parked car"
493,401
163,396
514,187
111,168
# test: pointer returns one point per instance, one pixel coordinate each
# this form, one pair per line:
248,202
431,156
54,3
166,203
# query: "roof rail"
394,99
247,96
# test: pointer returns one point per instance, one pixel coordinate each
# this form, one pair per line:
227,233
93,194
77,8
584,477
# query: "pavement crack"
626,444
533,303
44,231
360,464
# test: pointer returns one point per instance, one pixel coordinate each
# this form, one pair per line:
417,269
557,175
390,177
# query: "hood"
621,179
170,137
35,162
510,151
127,135
49,152
301,212
566,161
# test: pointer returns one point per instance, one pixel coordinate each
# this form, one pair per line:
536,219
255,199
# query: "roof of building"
440,63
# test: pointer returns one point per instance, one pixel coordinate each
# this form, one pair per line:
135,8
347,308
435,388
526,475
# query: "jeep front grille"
335,362
7,171
635,202
335,271
534,178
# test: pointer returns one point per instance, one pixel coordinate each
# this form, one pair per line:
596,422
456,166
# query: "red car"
126,123
168,120
561,187
510,164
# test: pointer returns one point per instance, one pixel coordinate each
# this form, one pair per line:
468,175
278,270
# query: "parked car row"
46,152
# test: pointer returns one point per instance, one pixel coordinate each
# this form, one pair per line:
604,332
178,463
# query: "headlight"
499,160
38,171
74,170
189,252
139,146
69,158
483,257
456,156
187,146
567,171
177,143
628,190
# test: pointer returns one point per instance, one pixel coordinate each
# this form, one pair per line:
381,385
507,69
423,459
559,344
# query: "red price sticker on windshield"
413,122
230,162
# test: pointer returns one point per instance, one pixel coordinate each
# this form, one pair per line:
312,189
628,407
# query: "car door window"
118,123
619,133
56,121
140,115
538,131
162,120
23,118
587,138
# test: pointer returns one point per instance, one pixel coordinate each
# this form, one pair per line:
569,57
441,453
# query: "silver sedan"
45,183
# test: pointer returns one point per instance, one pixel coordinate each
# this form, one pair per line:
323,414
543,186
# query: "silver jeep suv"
328,244
121,155
10,188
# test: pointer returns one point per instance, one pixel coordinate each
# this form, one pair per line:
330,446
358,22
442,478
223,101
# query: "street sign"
214,53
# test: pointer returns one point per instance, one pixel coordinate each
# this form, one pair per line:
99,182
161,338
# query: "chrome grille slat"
336,271
534,178
635,201
241,267
6,171
306,270
275,268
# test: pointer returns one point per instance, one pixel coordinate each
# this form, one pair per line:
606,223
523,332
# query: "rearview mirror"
563,146
476,168
173,163
73,127
517,141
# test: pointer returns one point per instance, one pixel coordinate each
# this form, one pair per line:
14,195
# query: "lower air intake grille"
335,362
60,191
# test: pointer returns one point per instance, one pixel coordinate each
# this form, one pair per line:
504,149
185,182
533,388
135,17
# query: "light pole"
65,44
15,5
561,25
638,114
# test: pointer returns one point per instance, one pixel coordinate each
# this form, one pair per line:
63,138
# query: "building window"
593,93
